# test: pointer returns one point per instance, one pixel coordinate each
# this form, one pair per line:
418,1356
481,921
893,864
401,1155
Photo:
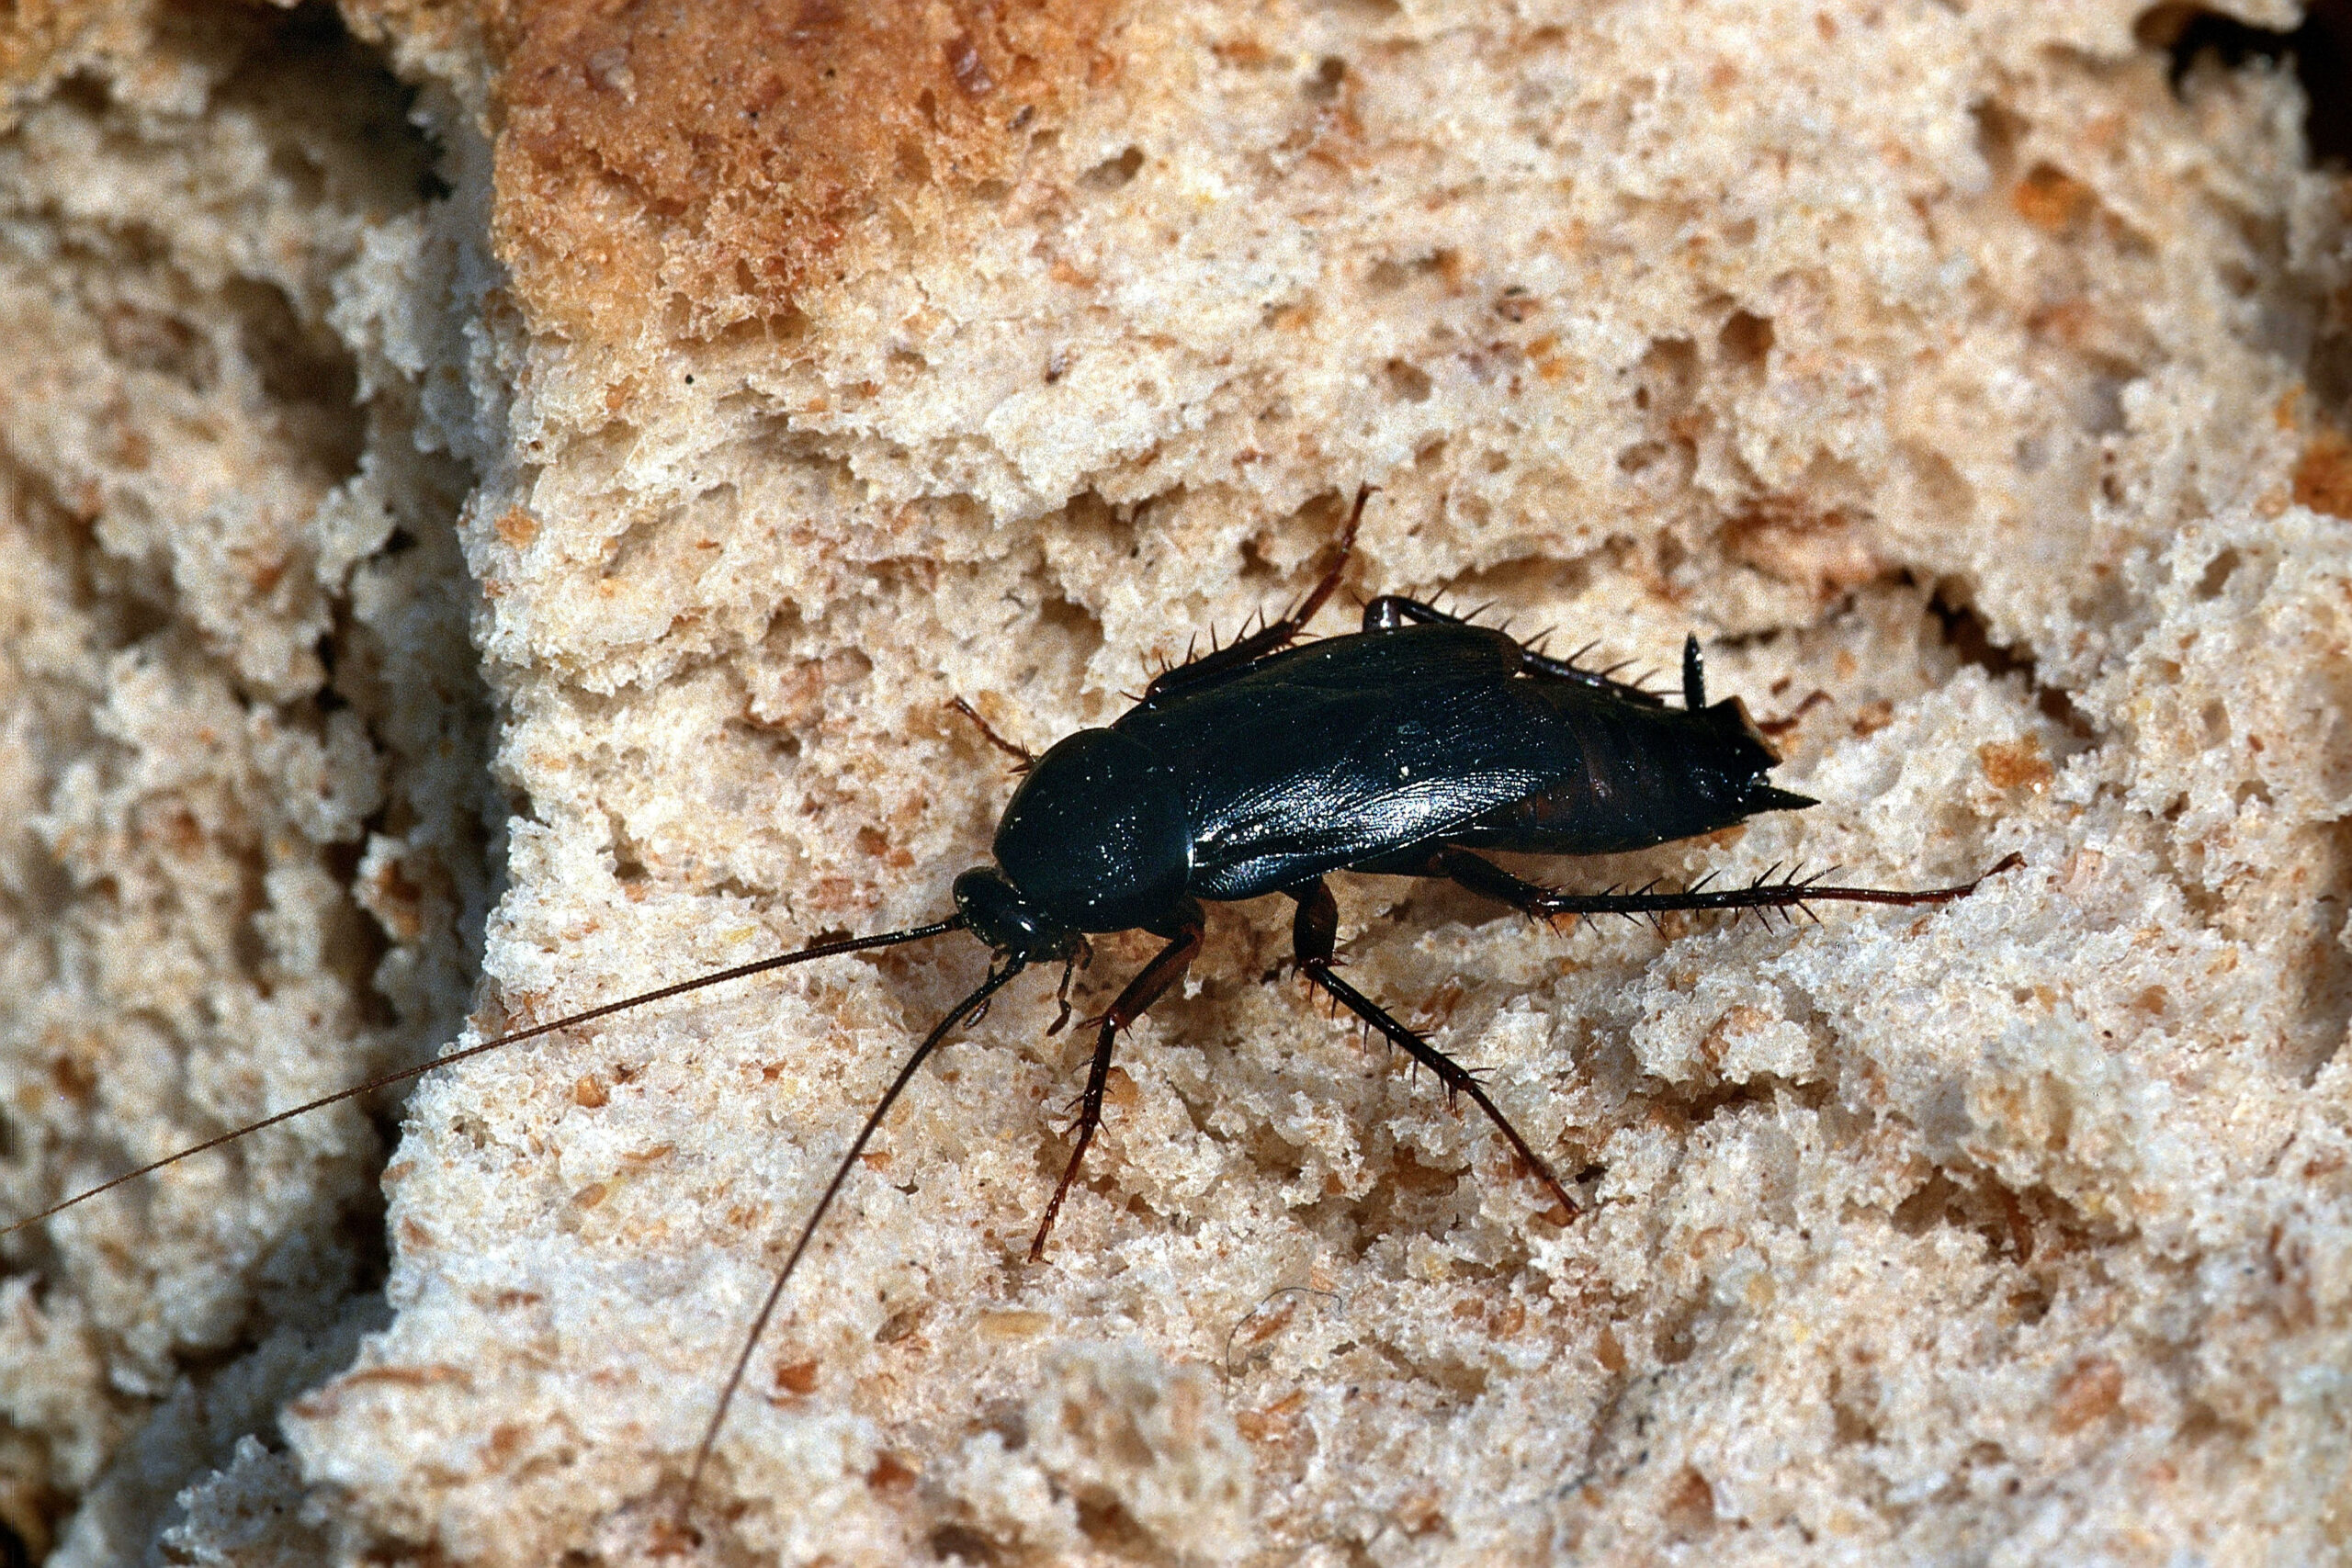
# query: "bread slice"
1965,381
247,831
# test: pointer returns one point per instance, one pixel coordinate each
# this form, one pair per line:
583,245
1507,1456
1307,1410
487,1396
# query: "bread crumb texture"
748,380
244,816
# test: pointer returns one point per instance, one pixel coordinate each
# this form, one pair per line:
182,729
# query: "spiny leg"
1391,610
1269,638
1482,876
1082,956
1165,969
1312,934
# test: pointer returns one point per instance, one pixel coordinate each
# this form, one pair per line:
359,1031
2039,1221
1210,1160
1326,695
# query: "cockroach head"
1012,925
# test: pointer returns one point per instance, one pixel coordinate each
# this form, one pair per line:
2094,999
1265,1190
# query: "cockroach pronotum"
1402,748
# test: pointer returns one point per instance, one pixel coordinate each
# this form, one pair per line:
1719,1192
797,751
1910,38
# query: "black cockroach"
1260,767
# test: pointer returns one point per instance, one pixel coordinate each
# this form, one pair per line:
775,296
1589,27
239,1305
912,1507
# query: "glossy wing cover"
1353,749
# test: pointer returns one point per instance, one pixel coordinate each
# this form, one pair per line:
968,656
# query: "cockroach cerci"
1258,768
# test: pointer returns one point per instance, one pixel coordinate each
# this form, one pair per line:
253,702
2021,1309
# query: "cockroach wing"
1349,749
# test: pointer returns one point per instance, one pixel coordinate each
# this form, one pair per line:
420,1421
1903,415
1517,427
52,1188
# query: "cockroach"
1261,767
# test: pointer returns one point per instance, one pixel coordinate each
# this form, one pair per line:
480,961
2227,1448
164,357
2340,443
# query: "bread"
1960,368
248,821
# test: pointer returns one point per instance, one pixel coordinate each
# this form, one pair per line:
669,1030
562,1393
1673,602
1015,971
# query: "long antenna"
970,1008
822,950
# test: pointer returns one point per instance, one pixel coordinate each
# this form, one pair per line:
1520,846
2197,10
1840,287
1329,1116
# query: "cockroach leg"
1082,955
1246,650
1392,611
1024,760
1482,876
1149,985
1313,933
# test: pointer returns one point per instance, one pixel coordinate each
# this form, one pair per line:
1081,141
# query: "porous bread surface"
1969,386
244,803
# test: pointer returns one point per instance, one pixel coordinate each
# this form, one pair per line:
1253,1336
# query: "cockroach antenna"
386,1080
969,1009
966,1011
